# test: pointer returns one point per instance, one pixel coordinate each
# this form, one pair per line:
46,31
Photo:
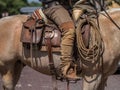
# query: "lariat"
93,53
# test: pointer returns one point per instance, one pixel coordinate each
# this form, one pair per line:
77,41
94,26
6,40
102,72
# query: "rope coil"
91,57
94,52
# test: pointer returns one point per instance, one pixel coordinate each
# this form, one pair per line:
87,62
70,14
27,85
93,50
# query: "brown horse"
13,57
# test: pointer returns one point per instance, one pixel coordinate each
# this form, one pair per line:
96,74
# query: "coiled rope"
91,57
94,52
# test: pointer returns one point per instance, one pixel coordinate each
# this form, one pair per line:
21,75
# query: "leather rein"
102,7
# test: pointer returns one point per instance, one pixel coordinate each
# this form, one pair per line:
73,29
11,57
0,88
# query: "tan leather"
66,54
67,25
77,13
67,45
30,36
58,14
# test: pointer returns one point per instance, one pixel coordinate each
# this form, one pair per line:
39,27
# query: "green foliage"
13,6
35,4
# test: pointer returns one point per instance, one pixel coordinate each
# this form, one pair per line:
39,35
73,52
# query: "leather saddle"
35,32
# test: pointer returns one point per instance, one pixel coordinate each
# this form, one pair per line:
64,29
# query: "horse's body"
12,56
111,38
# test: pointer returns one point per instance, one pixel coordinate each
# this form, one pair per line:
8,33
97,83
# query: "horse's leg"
11,74
91,82
7,77
17,71
103,84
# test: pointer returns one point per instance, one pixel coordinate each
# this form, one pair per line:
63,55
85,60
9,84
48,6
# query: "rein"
108,15
112,20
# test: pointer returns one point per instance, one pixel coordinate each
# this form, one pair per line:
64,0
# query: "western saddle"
46,35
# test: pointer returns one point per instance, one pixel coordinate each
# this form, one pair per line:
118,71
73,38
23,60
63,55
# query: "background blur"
12,7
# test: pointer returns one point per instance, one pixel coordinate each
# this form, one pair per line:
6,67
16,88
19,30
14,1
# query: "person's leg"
64,21
67,50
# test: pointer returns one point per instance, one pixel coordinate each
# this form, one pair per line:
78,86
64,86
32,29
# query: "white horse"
96,79
13,57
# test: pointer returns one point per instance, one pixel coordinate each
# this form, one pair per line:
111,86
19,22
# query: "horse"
13,57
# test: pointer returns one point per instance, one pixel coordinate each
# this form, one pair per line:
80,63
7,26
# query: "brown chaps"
62,18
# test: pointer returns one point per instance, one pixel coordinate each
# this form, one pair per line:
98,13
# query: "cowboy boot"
66,55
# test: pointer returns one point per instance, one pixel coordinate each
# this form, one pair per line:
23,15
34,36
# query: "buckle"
49,34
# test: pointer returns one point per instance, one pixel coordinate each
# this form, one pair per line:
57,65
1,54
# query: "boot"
66,55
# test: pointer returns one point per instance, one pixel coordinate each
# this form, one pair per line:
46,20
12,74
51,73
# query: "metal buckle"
49,33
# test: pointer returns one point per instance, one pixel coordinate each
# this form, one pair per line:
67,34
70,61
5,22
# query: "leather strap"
50,56
51,62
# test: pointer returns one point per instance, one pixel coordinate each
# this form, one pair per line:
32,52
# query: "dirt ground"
33,80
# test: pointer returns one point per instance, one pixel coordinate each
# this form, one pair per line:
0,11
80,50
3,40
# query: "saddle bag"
35,34
35,31
31,31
